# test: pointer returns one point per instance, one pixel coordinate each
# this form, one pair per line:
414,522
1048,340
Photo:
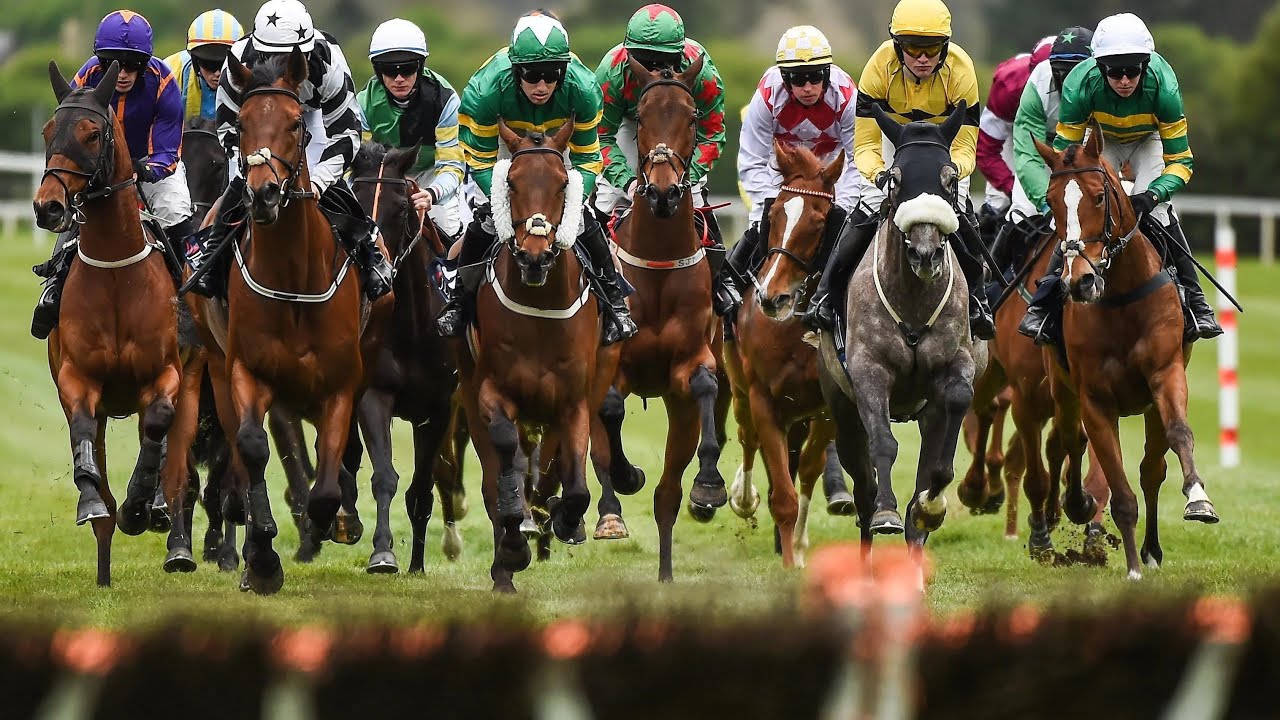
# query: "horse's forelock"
266,72
1070,157
804,163
537,138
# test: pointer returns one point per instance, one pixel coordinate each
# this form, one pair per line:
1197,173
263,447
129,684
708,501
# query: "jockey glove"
144,172
1144,202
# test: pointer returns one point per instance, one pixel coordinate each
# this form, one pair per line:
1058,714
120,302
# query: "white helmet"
399,40
281,26
1123,34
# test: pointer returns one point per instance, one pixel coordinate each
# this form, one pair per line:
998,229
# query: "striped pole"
1224,241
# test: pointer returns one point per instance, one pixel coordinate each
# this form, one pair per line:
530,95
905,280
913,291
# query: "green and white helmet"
656,28
537,39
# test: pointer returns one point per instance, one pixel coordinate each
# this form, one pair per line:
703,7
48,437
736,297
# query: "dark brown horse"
294,330
674,354
1122,330
534,364
115,351
414,375
779,371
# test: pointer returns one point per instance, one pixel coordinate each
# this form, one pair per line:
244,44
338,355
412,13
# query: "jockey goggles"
400,70
917,46
1124,71
130,65
807,76
207,65
541,72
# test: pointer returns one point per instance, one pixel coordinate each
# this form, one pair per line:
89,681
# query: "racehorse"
1122,331
533,364
295,329
908,348
674,354
779,372
115,350
414,375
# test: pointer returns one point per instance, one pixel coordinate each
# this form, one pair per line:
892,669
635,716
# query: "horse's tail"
209,438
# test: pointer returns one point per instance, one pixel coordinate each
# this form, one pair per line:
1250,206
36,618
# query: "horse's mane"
370,154
266,72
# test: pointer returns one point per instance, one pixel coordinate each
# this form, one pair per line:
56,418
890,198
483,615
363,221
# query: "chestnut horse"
294,329
779,371
115,350
535,365
1122,330
674,354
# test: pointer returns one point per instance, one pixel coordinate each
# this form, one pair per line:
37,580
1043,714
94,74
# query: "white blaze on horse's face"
1071,198
794,210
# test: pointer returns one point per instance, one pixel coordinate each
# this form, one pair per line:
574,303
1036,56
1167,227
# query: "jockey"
199,68
918,74
150,107
534,84
1133,94
1038,118
807,101
995,139
332,120
405,104
655,38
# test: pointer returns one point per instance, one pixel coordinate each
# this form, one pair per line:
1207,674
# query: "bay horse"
909,353
674,354
1122,330
295,329
778,376
534,365
115,350
415,375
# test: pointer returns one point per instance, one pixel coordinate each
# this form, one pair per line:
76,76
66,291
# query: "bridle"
410,213
809,266
97,185
207,206
662,154
1113,245
263,156
537,223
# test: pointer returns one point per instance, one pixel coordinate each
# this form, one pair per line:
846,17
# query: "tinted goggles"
534,74
209,66
126,65
917,49
400,70
1115,72
808,76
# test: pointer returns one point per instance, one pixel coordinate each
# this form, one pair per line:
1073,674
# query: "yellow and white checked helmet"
803,46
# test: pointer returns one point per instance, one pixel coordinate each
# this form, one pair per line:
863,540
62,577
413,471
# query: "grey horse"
908,351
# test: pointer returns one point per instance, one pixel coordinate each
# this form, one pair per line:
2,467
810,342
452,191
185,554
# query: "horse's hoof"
887,522
972,498
927,515
228,560
708,495
1151,558
265,575
743,496
160,522
628,483
991,506
347,529
90,508
322,515
840,503
1200,511
179,560
451,542
460,505
244,582
514,557
1082,512
611,527
701,513
382,563
1041,550
133,518
506,588
307,550
530,528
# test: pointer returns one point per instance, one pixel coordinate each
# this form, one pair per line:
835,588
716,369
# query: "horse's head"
273,136
1093,215
923,188
80,151
537,202
666,130
206,163
797,226
378,178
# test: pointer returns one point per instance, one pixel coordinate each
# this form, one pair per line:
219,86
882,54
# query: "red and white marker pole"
1224,241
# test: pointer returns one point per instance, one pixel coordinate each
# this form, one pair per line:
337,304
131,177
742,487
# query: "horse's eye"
94,136
297,125
1098,201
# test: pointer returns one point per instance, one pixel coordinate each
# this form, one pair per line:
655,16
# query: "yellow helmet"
928,18
803,46
215,27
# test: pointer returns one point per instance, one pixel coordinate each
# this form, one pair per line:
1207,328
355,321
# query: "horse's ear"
296,70
61,88
951,126
784,156
831,173
691,73
1094,144
560,141
509,136
1048,153
400,162
890,127
638,71
241,74
107,86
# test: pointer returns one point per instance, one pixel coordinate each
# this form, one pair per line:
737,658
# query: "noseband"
98,176
662,154
1112,245
263,156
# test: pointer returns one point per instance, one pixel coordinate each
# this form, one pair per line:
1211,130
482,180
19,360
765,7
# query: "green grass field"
722,568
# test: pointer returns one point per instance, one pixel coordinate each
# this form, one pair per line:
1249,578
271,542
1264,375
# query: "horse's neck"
655,238
113,224
1134,266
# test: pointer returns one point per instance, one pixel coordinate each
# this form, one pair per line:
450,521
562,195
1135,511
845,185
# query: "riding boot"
476,242
739,265
850,245
176,239
969,253
1198,319
1043,320
359,234
54,271
593,241
227,220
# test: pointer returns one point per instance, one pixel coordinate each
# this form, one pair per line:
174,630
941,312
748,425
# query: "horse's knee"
505,438
157,419
82,428
1178,435
1124,512
252,443
419,503
613,409
957,397
703,384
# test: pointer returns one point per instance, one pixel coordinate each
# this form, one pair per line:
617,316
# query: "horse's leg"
575,498
1169,388
1102,426
772,436
813,462
291,448
1152,471
743,496
708,491
79,397
626,478
1014,469
682,413
610,526
232,475
263,573
212,502
995,457
347,527
419,501
839,500
104,528
852,446
871,384
939,434
134,516
176,478
1028,429
1056,456
512,549
450,480
973,491
374,411
1068,410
